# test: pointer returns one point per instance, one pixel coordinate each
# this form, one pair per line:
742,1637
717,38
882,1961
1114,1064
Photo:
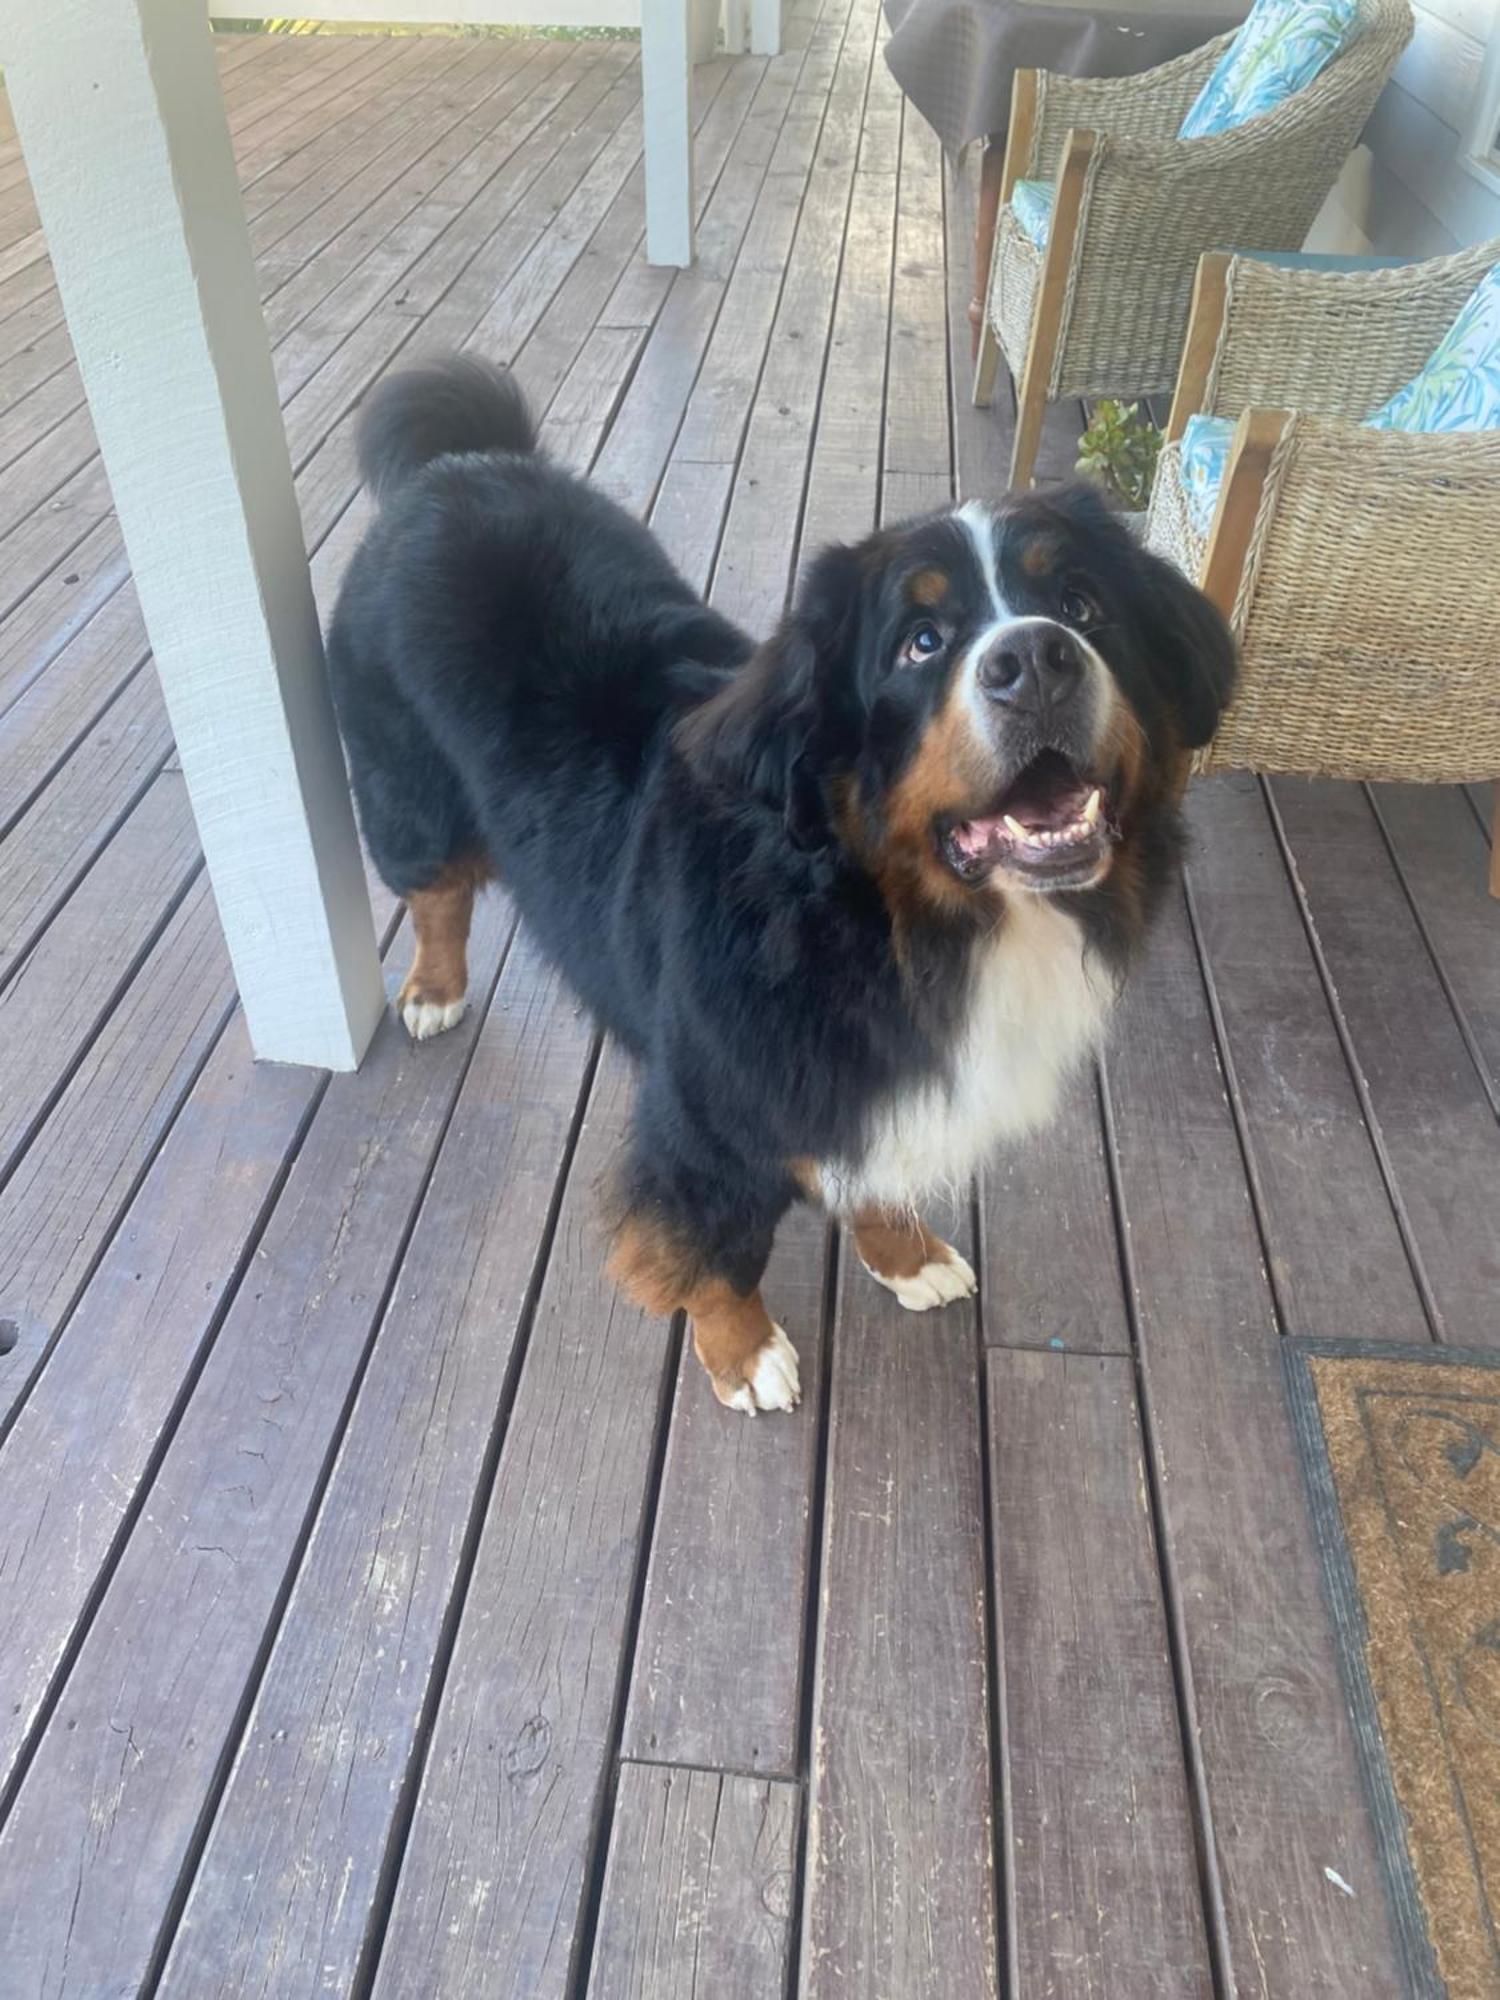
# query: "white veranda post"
122,126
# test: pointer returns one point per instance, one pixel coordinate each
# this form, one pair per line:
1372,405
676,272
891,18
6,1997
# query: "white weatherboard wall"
1411,189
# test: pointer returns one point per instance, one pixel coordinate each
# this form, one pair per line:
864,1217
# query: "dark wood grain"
1049,1256
719,1656
1333,1237
610,288
900,1889
282,1897
490,1893
1101,1866
698,1893
77,810
1280,1775
62,994
1426,1098
760,540
1443,857
843,479
72,1465
917,469
107,1814
688,515
79,1172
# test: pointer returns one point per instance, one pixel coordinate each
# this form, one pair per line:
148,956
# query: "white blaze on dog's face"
1030,675
1030,681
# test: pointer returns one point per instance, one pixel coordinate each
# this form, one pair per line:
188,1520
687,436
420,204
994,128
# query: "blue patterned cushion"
1281,47
1032,202
1458,388
1205,453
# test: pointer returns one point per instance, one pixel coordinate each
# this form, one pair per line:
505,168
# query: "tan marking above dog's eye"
1039,555
928,586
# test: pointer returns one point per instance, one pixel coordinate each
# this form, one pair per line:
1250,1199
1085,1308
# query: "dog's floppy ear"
776,728
1193,651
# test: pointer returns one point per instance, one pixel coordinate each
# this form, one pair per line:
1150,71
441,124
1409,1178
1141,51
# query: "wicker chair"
1103,308
1357,566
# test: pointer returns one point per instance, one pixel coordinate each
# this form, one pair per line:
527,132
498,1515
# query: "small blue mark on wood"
1055,1342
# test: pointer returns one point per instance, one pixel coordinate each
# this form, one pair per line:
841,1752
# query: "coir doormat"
1402,1449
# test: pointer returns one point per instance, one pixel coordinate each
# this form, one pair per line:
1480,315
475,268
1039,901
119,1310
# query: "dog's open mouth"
1051,828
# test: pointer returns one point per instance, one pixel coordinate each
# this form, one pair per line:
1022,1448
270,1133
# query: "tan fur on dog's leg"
901,1253
751,1364
434,995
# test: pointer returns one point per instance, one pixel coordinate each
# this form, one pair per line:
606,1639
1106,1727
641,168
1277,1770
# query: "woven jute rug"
1402,1449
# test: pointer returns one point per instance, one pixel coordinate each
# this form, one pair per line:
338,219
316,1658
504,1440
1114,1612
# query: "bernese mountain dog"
856,899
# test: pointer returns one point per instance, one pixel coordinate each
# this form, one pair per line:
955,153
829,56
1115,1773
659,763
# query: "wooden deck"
385,1608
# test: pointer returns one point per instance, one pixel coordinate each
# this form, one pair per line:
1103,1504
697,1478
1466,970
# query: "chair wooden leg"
1031,411
1495,845
991,169
987,367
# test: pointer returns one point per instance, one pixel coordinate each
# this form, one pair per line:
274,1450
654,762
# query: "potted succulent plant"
1120,449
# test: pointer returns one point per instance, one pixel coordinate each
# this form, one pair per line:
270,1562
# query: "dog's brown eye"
1078,609
924,644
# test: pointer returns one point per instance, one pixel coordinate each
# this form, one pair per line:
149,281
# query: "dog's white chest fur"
1037,1007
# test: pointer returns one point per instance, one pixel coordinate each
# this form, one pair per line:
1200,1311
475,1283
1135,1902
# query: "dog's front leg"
698,1243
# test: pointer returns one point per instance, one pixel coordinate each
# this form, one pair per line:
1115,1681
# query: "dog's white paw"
771,1379
938,1283
426,1018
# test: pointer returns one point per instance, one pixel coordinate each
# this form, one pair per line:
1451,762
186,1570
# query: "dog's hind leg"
435,993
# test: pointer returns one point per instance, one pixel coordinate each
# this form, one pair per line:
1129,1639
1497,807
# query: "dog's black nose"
1032,665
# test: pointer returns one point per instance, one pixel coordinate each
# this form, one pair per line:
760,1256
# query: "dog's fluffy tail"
457,404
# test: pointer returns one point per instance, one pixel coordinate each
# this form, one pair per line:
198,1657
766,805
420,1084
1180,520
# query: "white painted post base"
765,27
666,96
122,125
736,27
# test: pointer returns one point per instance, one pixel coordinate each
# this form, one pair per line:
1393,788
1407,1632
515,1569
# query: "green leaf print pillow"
1458,389
1282,46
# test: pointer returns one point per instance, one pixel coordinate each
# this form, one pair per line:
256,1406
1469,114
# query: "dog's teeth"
1091,810
1016,828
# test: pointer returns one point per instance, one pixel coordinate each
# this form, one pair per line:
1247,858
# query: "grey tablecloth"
955,58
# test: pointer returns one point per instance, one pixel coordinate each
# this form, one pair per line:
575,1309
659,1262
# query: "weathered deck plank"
899,1898
63,993
1049,1254
1283,1792
917,462
698,1892
760,539
1443,858
496,1868
1102,1878
1426,1099
108,1809
1332,1236
719,1657
280,1903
